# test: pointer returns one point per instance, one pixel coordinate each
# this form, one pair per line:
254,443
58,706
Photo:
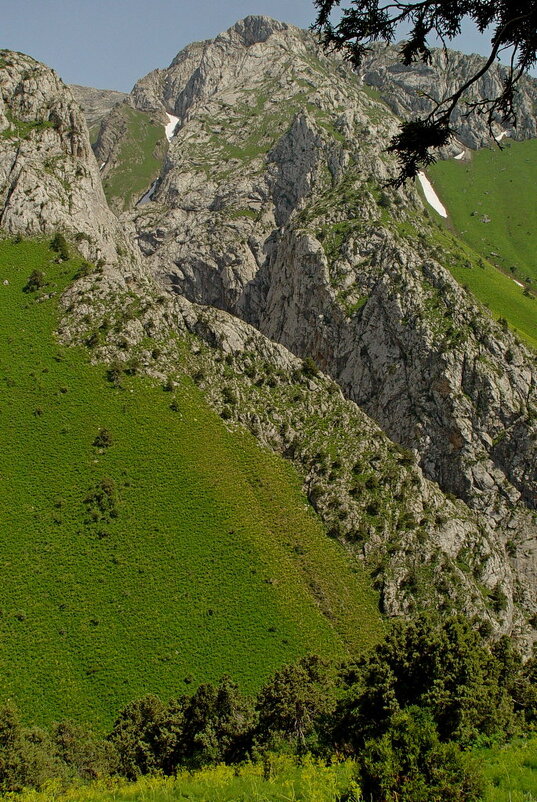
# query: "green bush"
59,244
410,764
309,368
35,282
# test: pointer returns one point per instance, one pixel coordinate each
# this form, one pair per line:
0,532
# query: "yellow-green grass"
511,771
214,564
277,780
496,185
138,162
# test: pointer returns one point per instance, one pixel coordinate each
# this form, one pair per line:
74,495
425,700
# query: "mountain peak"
257,28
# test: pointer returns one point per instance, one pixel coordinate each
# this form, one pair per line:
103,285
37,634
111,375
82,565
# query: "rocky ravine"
270,207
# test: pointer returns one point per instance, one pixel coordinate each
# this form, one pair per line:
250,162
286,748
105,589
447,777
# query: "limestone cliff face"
272,205
112,131
49,179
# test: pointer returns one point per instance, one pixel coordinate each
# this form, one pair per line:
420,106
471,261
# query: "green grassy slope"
511,771
498,185
495,185
490,286
138,162
180,551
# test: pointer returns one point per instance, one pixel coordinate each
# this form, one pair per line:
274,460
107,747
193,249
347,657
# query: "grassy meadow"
490,286
173,553
278,779
491,211
511,771
491,206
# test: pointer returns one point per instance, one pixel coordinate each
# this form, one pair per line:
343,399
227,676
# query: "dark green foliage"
309,368
498,599
216,725
103,439
59,244
114,373
229,396
514,27
444,668
35,281
26,755
85,269
82,752
211,726
101,502
414,144
410,764
141,737
296,702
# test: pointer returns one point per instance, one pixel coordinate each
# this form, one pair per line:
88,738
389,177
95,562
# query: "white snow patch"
518,282
102,165
148,195
170,128
431,196
460,155
501,136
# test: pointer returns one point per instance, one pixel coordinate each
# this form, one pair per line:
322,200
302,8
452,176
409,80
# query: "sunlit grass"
211,562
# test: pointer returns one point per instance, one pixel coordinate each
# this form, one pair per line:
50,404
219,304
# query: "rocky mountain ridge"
266,236
96,103
411,91
272,226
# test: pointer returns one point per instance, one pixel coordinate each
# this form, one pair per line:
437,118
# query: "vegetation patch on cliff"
139,161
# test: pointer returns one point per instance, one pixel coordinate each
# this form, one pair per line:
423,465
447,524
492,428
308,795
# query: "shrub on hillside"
59,244
35,282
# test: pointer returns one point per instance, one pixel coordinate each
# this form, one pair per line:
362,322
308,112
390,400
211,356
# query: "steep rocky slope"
272,206
288,226
272,224
96,104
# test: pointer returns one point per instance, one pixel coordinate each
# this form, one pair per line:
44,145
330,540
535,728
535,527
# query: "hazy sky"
109,44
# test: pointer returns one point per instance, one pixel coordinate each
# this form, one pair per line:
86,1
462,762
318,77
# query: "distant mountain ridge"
96,103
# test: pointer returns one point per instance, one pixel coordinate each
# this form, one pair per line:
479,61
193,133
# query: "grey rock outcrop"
49,179
410,90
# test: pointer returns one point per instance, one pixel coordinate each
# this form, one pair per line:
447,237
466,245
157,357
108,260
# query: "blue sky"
109,44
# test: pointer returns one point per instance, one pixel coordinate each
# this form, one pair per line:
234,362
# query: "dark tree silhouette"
513,25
